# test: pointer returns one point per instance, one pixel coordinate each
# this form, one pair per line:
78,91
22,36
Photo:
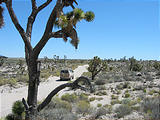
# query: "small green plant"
101,93
99,105
18,108
115,101
92,99
127,95
10,117
114,97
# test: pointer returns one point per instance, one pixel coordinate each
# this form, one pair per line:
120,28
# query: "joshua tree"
66,23
96,65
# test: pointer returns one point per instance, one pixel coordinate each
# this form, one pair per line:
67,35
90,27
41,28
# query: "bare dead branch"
73,85
17,25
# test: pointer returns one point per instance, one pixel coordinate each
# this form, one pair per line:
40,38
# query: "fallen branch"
73,85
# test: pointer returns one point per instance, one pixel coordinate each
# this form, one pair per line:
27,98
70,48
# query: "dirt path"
7,98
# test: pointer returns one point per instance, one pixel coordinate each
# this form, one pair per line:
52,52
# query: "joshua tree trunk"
32,87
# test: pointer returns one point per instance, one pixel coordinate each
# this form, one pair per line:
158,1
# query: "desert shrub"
156,65
129,102
101,93
10,117
115,101
100,82
120,86
99,98
99,112
144,90
57,103
23,78
44,75
108,107
57,114
69,97
18,108
92,99
99,105
83,107
127,95
114,97
151,106
136,108
101,87
123,110
83,96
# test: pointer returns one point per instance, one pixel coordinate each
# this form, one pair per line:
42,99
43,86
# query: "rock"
138,74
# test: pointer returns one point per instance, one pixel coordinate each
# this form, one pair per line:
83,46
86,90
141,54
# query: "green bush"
115,101
114,97
10,117
101,93
92,99
123,110
83,107
57,103
56,114
101,111
18,108
69,97
127,95
99,105
156,65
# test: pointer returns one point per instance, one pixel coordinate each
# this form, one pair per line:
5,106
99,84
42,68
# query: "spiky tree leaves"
96,65
89,16
67,22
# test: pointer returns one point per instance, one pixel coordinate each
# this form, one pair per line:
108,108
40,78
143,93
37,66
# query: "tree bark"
32,87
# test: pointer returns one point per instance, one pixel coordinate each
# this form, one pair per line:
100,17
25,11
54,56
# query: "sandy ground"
8,97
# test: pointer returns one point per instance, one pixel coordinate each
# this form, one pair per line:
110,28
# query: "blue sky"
121,28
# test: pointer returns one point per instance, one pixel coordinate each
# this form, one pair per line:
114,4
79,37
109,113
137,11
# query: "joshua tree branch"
17,25
73,85
34,6
48,30
58,34
44,5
